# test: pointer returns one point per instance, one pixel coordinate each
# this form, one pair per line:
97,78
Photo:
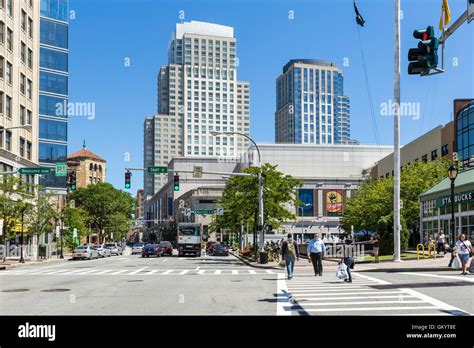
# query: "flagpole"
396,136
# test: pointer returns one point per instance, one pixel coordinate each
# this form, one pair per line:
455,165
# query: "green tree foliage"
109,210
74,218
42,213
240,199
370,208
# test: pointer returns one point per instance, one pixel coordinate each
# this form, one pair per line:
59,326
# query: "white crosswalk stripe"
326,295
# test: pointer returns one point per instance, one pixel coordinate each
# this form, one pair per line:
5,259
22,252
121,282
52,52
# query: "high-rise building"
53,90
311,107
19,56
198,93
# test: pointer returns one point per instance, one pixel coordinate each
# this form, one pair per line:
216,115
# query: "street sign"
187,212
220,211
197,172
204,211
157,170
58,230
34,170
61,169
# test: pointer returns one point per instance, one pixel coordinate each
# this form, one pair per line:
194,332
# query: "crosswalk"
143,271
309,295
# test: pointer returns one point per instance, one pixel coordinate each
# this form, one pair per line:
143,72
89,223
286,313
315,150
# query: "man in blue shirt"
316,250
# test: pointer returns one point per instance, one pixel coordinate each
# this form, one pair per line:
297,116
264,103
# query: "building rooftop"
203,28
319,62
84,153
464,178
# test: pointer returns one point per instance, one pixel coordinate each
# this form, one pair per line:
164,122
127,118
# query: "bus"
189,238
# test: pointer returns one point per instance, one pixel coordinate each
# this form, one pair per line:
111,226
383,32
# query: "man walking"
289,252
316,250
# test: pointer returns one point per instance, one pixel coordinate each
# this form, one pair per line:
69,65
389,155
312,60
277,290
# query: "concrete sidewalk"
13,262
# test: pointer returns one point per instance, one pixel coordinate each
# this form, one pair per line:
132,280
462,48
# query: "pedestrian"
441,242
464,250
376,247
290,253
316,250
348,259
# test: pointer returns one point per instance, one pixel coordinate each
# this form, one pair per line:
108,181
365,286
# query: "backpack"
291,250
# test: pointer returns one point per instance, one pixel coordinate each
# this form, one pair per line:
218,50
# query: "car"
102,250
137,248
85,252
167,247
114,248
220,249
152,249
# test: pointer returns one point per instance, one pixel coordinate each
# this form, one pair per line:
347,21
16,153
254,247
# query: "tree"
41,214
370,208
107,208
74,218
240,199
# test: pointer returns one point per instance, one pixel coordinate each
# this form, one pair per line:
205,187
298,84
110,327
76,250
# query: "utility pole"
396,140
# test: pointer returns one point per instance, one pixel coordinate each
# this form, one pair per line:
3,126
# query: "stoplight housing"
176,183
128,179
72,181
425,57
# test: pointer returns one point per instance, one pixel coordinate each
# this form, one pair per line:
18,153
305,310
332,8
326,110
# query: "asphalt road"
142,286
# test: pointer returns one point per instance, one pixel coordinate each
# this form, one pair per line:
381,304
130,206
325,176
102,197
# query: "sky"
116,48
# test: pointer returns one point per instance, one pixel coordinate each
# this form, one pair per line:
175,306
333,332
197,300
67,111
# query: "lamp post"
260,185
452,174
22,260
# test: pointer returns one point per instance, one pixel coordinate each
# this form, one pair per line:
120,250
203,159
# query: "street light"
26,126
452,174
260,184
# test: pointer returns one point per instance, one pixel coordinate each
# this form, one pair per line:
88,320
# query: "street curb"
31,263
253,265
396,270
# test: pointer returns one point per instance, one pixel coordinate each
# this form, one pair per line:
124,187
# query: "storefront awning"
464,179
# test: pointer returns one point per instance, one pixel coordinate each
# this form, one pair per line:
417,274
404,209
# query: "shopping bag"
341,272
456,263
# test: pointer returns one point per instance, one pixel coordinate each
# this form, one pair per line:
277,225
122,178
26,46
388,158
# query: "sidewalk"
13,262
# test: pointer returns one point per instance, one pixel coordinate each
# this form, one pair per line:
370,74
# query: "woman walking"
376,246
464,250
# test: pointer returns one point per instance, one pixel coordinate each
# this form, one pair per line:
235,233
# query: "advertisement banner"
334,203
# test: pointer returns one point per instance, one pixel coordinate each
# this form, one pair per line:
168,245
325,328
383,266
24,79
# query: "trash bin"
42,251
263,257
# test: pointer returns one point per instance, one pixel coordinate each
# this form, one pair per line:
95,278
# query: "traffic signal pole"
396,140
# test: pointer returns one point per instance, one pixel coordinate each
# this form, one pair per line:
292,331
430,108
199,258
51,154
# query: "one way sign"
220,211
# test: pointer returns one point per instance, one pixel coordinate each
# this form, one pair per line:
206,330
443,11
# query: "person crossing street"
316,250
290,254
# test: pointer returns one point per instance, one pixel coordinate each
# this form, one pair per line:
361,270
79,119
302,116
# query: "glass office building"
53,89
465,128
311,106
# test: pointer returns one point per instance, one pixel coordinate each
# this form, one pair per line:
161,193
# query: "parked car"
137,248
85,252
115,249
220,249
167,248
102,250
152,249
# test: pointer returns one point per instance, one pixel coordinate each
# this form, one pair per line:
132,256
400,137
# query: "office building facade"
53,91
198,93
19,57
311,107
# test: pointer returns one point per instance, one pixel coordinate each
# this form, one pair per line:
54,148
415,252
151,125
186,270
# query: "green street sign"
157,169
61,169
204,211
34,170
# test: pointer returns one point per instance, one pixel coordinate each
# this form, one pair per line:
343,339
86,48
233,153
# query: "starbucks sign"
458,198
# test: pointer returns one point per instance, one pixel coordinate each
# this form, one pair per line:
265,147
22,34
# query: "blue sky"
104,33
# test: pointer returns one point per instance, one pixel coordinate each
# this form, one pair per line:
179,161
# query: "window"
53,33
28,117
22,115
2,67
10,7
23,52
10,39
22,147
1,102
53,83
22,83
444,150
30,59
30,27
28,150
23,20
424,158
54,60
8,140
9,73
29,89
2,32
8,107
434,154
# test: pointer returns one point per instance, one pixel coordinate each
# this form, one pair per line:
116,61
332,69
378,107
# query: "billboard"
334,203
306,196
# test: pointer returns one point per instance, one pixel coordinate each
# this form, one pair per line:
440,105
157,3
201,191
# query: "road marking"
164,260
367,309
56,272
184,272
269,271
88,271
76,271
359,303
282,296
321,294
234,271
322,288
167,272
378,281
103,272
39,272
201,271
317,291
251,271
362,296
121,271
138,270
218,271
197,268
151,272
462,278
122,258
434,301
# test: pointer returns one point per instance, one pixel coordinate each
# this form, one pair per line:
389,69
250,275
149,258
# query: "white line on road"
201,271
164,260
359,303
121,271
462,278
88,271
234,271
433,301
251,271
167,272
184,272
103,272
299,288
361,297
269,271
56,272
218,271
367,309
74,272
322,290
138,270
282,296
324,294
378,281
151,272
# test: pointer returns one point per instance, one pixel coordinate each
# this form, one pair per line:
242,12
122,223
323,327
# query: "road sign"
187,212
61,169
204,211
34,170
157,169
197,172
220,211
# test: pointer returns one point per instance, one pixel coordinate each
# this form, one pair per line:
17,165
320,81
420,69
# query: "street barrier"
422,247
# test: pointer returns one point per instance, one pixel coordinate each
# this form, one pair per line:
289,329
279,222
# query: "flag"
445,15
359,18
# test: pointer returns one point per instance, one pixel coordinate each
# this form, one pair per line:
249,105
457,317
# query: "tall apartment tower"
53,89
19,61
198,93
311,107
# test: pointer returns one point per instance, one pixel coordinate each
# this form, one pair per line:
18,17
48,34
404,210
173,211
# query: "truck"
189,238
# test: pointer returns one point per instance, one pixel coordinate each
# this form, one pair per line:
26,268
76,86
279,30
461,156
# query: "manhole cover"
16,290
55,290
134,281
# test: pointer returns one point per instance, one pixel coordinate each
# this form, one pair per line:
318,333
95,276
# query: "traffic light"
176,183
128,179
72,181
425,57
